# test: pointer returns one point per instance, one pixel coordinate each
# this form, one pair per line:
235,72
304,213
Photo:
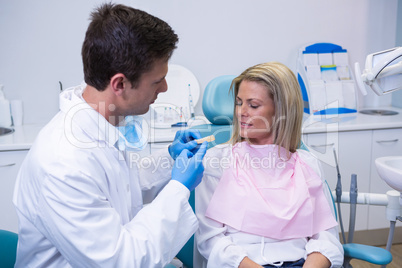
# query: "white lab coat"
221,246
79,200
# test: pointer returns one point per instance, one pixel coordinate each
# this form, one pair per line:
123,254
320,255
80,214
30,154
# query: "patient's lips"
245,125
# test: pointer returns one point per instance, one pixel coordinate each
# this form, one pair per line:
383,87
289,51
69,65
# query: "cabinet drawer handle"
159,146
322,145
7,165
384,141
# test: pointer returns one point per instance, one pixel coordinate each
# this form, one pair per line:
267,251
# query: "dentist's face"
152,83
255,111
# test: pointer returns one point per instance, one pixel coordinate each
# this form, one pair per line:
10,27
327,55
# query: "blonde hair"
284,89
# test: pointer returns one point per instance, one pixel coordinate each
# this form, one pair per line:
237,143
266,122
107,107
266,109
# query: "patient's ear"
118,82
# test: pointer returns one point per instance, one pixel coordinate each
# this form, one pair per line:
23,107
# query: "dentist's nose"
163,86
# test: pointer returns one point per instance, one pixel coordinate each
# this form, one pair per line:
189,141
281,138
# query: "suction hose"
353,202
338,191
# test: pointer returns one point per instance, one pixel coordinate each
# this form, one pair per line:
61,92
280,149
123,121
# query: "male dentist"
78,198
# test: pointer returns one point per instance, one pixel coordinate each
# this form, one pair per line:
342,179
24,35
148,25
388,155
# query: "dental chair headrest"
218,102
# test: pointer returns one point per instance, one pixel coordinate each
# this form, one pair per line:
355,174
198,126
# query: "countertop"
21,139
24,136
355,122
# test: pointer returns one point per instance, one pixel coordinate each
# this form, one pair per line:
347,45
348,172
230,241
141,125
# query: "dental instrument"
190,100
338,191
207,139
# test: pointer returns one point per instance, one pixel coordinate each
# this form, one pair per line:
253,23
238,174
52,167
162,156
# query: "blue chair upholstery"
366,253
218,105
218,102
8,248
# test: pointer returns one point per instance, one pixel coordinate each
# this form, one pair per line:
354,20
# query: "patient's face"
255,111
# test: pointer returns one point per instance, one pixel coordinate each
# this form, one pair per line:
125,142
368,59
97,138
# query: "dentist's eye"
254,106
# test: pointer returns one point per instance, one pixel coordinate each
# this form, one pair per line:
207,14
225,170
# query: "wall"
41,40
397,96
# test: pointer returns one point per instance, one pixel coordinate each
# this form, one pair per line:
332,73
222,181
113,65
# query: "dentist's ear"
118,83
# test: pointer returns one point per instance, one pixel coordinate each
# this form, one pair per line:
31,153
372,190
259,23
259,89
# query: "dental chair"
218,106
8,248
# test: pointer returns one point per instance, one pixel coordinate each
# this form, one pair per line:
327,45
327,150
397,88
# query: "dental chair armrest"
366,253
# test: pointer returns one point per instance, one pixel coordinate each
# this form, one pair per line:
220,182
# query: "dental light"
382,73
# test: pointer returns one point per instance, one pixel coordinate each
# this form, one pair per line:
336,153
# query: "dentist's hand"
184,140
188,167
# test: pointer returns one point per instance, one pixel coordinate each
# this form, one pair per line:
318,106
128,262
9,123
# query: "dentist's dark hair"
122,39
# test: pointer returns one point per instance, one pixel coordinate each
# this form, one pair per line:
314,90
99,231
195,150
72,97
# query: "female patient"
262,202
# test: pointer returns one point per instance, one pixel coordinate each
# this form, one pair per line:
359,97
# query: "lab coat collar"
79,112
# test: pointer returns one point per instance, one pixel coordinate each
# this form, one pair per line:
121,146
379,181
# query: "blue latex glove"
184,139
188,167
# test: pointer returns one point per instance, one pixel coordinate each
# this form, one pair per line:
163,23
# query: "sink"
390,170
378,112
5,131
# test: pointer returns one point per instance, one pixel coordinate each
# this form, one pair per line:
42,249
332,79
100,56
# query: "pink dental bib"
265,194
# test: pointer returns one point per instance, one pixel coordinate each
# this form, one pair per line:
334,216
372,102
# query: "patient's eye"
254,106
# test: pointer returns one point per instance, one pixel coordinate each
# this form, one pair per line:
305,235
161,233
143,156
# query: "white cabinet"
10,162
